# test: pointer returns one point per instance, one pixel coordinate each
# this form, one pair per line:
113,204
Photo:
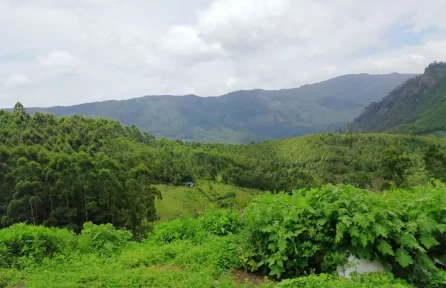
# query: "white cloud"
404,60
67,51
184,43
59,58
16,79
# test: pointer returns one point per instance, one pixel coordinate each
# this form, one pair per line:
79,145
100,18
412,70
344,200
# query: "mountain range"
418,106
248,115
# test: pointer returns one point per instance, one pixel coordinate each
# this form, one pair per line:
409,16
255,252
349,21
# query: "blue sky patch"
396,37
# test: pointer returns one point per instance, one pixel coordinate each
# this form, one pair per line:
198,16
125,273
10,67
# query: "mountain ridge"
418,106
245,115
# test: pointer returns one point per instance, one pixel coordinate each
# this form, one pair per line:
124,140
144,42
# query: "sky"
65,52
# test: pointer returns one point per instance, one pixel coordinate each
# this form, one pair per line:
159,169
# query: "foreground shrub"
314,230
375,280
213,257
103,239
214,222
23,245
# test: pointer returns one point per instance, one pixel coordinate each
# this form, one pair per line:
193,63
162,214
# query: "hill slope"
71,171
418,106
244,116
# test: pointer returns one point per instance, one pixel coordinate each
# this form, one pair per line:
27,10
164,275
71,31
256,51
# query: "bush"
221,222
6,275
313,230
375,280
24,245
102,239
214,222
179,229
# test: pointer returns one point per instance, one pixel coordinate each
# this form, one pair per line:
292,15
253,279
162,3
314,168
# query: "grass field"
180,201
180,264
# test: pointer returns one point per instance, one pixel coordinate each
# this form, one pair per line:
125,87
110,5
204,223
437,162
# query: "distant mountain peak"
416,106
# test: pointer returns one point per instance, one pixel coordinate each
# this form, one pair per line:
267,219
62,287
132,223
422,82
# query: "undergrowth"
283,240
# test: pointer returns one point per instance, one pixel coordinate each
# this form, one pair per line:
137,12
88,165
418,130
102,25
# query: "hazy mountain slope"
418,106
244,116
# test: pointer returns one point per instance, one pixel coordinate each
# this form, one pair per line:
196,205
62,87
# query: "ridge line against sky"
65,52
209,96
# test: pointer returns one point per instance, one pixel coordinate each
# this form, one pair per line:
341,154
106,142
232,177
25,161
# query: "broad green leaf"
428,241
385,248
276,270
347,221
282,245
380,230
403,258
408,240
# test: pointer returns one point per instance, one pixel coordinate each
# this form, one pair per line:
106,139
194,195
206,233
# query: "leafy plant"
23,245
375,280
213,222
102,239
313,230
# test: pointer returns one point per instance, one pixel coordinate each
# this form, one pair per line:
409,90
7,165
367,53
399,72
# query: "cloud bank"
63,52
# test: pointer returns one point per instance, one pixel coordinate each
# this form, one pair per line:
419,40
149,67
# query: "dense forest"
94,184
245,116
417,106
70,170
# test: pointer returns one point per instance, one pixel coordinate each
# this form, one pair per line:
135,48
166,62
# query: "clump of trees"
58,172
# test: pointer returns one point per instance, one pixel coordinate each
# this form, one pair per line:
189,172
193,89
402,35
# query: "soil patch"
242,277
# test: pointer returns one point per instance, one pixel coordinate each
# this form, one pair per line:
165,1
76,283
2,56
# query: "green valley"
222,144
88,202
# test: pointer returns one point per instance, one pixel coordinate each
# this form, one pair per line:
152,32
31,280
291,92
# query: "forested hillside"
418,106
79,176
245,116
70,170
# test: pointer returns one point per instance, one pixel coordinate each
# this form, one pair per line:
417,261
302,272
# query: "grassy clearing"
99,257
180,264
182,201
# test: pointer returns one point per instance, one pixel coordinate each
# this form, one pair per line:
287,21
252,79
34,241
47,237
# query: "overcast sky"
63,52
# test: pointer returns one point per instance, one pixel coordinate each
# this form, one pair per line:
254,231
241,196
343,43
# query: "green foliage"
375,280
78,172
245,116
309,232
22,245
71,170
358,179
145,264
314,230
395,165
181,201
436,163
221,222
103,239
415,107
214,222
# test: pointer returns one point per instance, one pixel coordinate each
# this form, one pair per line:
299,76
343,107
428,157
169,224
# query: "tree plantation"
78,208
